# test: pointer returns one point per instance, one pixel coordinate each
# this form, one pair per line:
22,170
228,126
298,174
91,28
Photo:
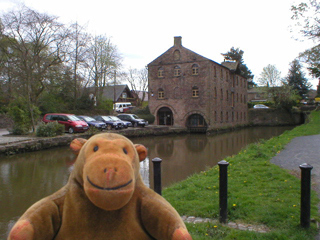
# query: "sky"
144,29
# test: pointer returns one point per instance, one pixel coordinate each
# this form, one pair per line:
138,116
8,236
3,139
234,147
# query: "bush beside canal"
259,193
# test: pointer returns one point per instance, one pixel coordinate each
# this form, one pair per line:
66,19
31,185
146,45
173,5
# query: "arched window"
160,72
195,92
177,71
195,69
176,55
160,93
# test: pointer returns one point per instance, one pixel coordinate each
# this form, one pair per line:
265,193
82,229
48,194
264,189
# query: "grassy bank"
259,192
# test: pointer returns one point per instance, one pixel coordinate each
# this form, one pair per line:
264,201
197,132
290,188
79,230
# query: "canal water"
26,178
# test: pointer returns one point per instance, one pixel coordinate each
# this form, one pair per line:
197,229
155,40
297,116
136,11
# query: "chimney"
177,41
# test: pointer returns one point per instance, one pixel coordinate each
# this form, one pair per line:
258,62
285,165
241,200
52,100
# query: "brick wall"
216,85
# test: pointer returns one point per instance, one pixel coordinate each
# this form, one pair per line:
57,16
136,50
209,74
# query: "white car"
260,106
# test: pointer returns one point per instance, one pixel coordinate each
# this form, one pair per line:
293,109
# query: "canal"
26,178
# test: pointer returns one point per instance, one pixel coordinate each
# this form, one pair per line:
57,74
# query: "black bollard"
305,195
157,175
223,191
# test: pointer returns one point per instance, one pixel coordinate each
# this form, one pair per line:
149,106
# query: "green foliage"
237,55
85,103
21,116
284,97
297,80
49,103
105,105
258,193
50,129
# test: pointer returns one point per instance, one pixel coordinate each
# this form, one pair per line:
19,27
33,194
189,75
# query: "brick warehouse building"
189,90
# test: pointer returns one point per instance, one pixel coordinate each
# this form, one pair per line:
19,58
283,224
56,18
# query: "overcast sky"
144,29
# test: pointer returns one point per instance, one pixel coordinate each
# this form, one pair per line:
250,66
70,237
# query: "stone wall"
274,117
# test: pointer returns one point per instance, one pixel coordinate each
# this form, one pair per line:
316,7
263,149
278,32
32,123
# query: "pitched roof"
115,91
232,65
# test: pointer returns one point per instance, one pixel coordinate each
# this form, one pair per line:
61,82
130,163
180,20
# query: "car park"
126,124
260,106
110,123
71,122
134,119
93,122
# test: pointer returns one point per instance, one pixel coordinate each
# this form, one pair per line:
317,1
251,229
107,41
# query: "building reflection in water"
26,178
185,155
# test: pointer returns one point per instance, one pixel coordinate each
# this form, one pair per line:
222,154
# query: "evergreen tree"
236,54
296,78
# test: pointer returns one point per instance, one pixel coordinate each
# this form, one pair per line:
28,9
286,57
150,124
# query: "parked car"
71,122
92,122
134,119
111,124
122,107
260,106
126,124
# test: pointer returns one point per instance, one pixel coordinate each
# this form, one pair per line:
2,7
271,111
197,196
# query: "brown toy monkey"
105,198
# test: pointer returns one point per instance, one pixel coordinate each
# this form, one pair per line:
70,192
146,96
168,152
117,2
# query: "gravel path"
301,150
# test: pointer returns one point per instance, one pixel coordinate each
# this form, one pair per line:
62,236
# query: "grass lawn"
259,193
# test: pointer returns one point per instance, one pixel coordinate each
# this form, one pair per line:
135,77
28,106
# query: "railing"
223,189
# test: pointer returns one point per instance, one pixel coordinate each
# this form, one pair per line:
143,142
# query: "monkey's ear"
142,151
77,144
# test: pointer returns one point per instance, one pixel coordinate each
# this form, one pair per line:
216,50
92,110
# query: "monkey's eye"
125,151
95,148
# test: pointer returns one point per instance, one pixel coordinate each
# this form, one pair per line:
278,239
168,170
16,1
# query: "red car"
71,122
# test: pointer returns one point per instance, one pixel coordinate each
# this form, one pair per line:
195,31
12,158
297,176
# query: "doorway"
165,116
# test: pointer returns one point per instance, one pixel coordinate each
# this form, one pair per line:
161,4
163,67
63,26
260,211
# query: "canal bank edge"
12,144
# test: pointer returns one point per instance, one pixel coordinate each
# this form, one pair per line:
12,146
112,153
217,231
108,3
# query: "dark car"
71,122
111,124
125,123
92,122
134,119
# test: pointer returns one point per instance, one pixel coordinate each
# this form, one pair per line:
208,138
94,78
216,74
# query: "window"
124,95
221,93
215,92
160,72
176,55
215,71
177,71
160,94
195,69
195,92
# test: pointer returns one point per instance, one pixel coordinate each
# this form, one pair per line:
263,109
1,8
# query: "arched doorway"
165,116
196,123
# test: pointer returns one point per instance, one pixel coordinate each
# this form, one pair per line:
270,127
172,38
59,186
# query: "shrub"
50,129
20,113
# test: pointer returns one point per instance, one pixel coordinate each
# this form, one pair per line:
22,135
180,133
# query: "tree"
38,43
283,96
270,76
296,78
104,60
138,80
79,41
306,16
237,55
